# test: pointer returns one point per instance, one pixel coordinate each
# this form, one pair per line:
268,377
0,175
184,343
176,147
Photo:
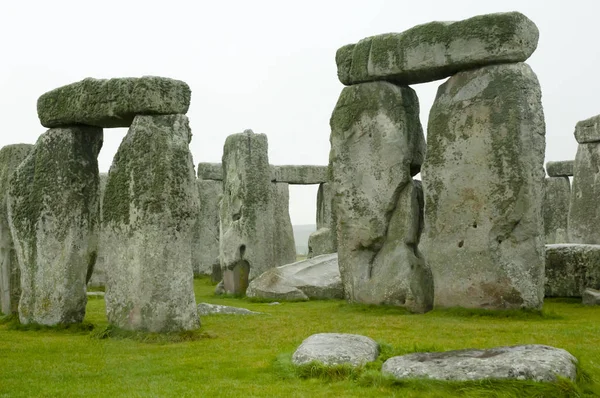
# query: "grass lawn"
248,356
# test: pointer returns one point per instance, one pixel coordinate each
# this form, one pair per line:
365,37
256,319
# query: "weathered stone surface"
437,50
321,242
212,309
525,362
97,274
557,196
11,157
571,268
591,297
376,137
210,171
302,175
584,212
205,250
315,278
253,231
53,213
113,102
336,349
483,180
149,212
562,168
588,131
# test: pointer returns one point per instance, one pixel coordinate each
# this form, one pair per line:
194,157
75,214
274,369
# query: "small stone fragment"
113,102
525,362
437,50
212,309
336,349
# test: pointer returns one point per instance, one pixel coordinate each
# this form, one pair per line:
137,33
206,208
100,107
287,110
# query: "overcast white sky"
265,65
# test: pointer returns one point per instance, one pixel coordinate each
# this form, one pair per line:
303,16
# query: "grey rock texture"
11,156
562,168
315,278
336,349
97,274
557,197
324,239
205,250
483,181
210,171
437,50
113,102
212,309
376,139
248,216
301,175
525,362
149,212
584,212
571,268
54,216
284,245
588,130
591,297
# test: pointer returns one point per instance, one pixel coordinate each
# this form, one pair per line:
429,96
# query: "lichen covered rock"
11,156
149,212
584,212
557,196
376,139
97,274
437,50
571,268
301,175
561,168
336,349
205,250
483,181
53,213
113,102
588,131
324,239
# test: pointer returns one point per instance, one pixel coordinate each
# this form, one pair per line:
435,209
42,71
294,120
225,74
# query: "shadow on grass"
369,375
113,332
513,314
12,323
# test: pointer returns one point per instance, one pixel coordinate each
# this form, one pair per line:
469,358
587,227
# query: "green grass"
251,356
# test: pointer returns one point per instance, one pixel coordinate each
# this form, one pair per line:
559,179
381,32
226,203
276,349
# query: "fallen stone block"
437,50
539,363
113,102
336,349
212,309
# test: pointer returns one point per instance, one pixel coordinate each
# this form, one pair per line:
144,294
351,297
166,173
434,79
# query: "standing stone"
97,275
11,157
53,213
248,225
206,234
284,245
323,240
437,50
584,212
149,212
483,180
557,196
571,268
376,137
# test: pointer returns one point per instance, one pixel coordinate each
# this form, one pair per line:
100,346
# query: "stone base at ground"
571,268
591,297
526,362
336,349
315,278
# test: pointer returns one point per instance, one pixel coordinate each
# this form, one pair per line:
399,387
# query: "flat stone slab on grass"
314,278
437,50
210,309
336,349
591,297
524,362
562,168
571,268
113,102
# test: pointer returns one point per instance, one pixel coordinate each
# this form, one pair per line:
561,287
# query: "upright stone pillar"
323,240
376,139
149,211
249,226
97,274
11,157
557,196
206,237
53,213
584,212
483,180
284,245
